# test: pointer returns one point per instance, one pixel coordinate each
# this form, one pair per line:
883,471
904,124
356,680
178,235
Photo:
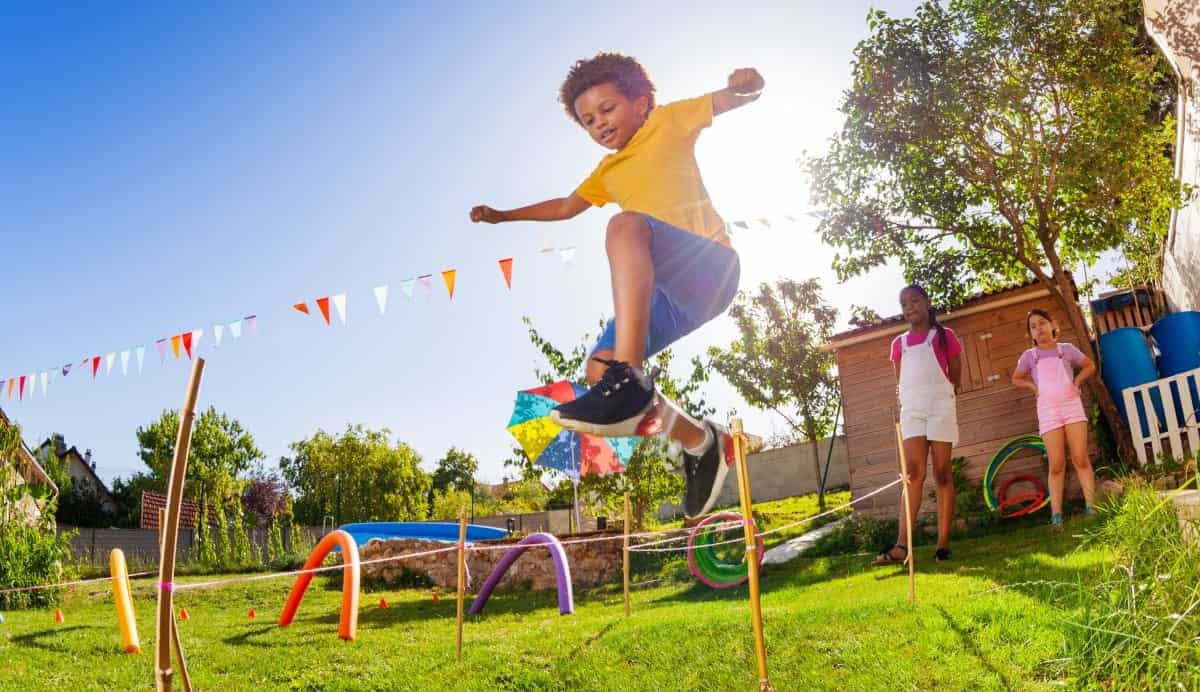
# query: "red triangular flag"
323,304
95,365
506,269
302,307
21,388
187,343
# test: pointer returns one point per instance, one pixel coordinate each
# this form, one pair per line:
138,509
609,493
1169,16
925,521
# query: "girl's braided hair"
933,321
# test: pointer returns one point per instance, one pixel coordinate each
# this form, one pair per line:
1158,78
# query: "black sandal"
886,558
941,555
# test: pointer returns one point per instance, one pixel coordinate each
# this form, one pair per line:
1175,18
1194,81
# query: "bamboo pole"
625,556
912,576
175,645
743,476
170,531
462,580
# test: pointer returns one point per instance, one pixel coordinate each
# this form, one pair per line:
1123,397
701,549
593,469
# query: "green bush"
31,555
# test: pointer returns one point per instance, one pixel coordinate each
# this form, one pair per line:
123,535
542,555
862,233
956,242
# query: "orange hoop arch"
348,625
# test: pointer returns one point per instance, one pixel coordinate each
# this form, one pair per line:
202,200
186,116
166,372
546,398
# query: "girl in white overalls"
928,362
1053,372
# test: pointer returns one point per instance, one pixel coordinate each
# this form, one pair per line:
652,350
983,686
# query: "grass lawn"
991,619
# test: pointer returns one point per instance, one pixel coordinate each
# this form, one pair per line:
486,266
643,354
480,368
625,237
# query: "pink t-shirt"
953,347
1072,358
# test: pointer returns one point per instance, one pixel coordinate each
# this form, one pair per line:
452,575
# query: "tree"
456,470
264,497
356,476
989,141
778,362
650,476
220,453
128,495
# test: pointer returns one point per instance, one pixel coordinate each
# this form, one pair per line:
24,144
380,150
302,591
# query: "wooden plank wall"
990,410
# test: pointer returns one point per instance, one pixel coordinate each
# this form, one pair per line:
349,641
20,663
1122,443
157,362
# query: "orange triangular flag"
187,343
10,387
183,614
506,269
448,277
302,307
323,303
58,616
175,345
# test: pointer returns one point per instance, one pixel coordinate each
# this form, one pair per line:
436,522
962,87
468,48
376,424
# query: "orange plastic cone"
252,614
58,616
435,596
383,603
183,614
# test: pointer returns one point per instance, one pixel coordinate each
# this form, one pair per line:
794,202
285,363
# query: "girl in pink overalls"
928,363
1054,372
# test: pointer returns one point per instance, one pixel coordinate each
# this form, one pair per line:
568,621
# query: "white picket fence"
1180,437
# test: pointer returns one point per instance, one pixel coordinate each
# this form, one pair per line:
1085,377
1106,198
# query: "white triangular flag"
235,328
125,362
339,302
32,383
546,245
218,332
406,287
141,355
108,361
381,297
567,253
45,380
197,334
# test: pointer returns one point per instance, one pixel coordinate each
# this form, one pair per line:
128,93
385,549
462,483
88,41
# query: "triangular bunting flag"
218,332
818,214
21,389
108,363
448,276
547,246
235,328
426,281
789,217
406,287
45,381
197,335
251,324
162,350
567,253
742,224
186,338
95,366
175,345
765,222
11,381
323,305
381,298
125,362
32,383
339,304
302,307
66,369
141,355
506,270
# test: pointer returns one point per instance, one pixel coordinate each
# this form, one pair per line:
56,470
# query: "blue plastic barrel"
1178,339
1126,361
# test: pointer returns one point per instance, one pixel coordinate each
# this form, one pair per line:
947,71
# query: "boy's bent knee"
627,224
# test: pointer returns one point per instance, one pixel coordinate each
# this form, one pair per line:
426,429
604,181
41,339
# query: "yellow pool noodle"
120,580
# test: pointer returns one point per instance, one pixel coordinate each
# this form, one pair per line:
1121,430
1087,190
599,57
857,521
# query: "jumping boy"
670,259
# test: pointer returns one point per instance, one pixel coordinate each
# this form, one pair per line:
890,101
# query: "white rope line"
643,549
314,570
66,584
611,537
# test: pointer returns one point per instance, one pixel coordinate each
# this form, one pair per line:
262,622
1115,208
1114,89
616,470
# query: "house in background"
27,472
82,469
1172,24
991,411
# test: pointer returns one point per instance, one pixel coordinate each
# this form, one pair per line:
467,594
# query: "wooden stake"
175,645
170,531
462,576
628,522
912,576
743,476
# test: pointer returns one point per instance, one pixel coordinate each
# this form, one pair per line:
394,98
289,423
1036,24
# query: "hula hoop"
703,561
994,500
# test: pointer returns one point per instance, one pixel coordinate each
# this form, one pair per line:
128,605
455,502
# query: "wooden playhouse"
991,410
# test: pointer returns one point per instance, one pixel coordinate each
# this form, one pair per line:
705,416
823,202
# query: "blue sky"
164,168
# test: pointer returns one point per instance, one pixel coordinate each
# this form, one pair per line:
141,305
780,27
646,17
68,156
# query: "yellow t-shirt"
656,172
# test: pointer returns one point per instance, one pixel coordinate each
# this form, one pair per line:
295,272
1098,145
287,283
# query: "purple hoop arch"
562,572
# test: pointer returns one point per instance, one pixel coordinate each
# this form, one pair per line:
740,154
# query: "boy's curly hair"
625,73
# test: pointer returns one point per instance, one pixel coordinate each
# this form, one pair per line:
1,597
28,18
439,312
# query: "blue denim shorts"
695,279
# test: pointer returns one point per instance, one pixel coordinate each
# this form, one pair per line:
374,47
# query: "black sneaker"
705,474
613,407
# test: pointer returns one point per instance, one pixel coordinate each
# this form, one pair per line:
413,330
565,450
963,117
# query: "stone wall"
591,564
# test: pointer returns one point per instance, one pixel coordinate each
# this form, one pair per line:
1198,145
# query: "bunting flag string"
189,341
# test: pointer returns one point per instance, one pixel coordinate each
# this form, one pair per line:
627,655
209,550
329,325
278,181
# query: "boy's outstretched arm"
557,209
745,85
